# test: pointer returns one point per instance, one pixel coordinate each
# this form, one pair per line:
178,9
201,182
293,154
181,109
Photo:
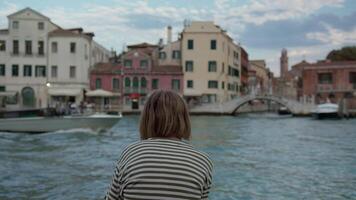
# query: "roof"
302,63
141,45
70,33
331,64
106,68
167,69
28,9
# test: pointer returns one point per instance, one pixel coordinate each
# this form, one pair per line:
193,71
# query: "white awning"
101,93
192,94
64,91
8,93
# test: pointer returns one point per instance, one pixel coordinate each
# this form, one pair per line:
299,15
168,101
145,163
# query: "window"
15,70
15,25
155,83
189,66
15,47
2,88
115,84
162,55
27,70
223,85
54,71
175,84
325,78
352,77
135,82
176,54
72,71
213,44
212,66
143,63
40,25
28,47
212,84
2,45
2,70
40,48
40,71
189,83
98,83
72,47
143,82
190,44
54,47
128,63
235,72
127,82
223,68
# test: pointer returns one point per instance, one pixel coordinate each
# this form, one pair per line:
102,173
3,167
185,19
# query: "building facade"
138,71
40,60
330,81
262,84
211,63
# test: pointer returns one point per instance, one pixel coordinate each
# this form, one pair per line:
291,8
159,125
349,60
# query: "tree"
343,54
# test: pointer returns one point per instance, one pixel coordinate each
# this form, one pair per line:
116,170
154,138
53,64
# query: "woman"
161,165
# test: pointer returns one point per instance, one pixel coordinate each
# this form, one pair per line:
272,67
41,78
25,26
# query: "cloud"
334,36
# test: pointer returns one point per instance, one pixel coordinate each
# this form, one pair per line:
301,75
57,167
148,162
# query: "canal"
256,156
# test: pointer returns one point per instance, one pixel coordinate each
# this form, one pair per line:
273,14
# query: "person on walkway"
162,165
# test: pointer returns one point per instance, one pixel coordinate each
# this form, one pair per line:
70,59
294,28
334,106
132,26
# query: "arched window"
28,97
135,82
143,82
127,82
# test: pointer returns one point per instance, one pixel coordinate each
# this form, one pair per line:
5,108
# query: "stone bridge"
233,105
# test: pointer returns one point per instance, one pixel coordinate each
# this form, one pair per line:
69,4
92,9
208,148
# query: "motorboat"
326,110
283,111
41,124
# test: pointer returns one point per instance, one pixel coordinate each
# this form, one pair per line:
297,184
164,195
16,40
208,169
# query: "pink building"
134,75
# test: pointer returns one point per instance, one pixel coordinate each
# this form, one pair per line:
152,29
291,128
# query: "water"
256,156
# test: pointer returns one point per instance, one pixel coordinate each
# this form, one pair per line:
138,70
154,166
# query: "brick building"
332,81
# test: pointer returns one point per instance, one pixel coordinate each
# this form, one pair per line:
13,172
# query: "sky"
308,29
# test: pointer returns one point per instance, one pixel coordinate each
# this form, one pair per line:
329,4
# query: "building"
211,63
141,69
284,63
262,77
244,71
36,53
330,81
286,84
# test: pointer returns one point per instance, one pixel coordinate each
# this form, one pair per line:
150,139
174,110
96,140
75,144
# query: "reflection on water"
256,156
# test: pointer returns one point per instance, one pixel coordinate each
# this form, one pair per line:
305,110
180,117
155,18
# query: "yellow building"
211,63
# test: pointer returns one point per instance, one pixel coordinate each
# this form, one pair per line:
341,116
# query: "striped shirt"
161,169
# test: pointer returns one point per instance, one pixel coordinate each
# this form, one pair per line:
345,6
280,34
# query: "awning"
192,94
8,93
101,93
64,91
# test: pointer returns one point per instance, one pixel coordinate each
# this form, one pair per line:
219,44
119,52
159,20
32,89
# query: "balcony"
331,88
129,90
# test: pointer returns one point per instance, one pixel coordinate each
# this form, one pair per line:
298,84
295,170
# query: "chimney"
169,34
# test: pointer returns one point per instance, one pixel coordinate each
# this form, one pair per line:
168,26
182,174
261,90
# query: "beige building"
36,53
211,63
262,73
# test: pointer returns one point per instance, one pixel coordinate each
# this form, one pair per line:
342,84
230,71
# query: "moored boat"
97,121
326,110
283,111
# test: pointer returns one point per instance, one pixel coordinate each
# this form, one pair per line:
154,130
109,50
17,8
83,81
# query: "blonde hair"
165,115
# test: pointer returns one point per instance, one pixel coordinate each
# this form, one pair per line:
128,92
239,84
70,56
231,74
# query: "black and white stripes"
161,169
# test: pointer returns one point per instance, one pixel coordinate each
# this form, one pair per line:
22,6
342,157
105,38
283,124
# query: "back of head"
165,115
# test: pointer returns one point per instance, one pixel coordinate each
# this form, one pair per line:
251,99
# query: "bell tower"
284,63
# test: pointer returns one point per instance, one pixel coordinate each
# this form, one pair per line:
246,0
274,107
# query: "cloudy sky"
309,29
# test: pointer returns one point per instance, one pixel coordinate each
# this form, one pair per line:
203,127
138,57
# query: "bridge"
230,107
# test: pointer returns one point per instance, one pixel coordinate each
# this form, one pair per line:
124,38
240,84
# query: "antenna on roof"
186,23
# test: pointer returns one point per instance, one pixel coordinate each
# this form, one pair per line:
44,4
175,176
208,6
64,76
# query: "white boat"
283,111
326,110
97,121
